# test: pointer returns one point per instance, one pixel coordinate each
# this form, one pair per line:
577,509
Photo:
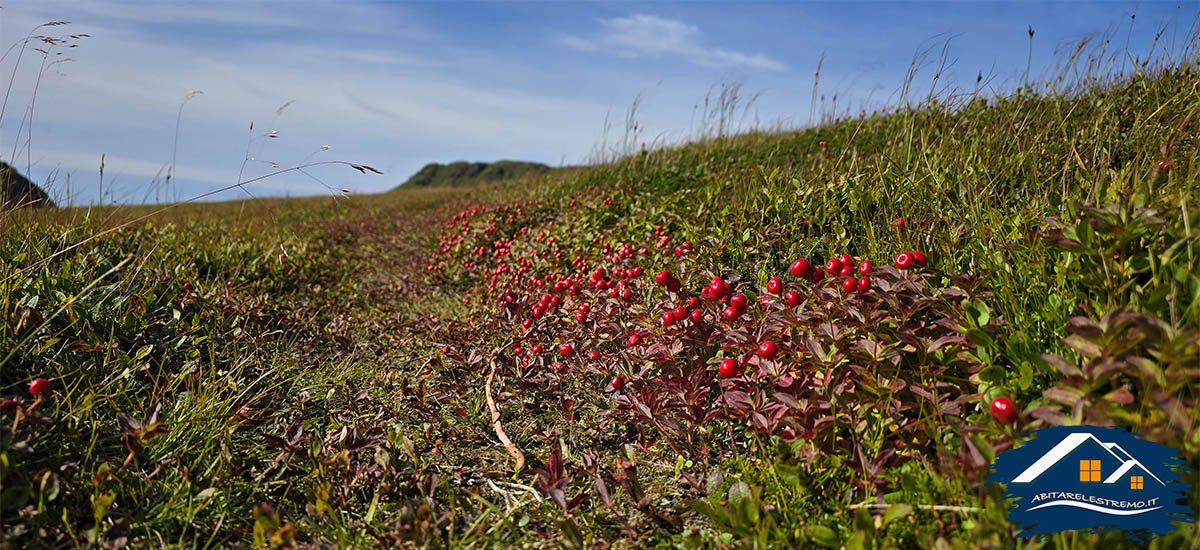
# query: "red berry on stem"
775,285
793,298
731,313
863,284
635,339
674,285
846,271
729,368
919,258
866,266
904,260
668,318
817,274
663,277
40,387
850,284
739,301
717,288
1003,410
618,382
767,350
697,316
566,350
846,259
833,265
680,313
800,268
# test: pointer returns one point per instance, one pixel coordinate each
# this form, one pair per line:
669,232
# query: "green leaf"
895,512
142,352
856,541
822,535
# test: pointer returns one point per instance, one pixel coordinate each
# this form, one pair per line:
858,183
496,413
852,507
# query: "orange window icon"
1135,482
1089,470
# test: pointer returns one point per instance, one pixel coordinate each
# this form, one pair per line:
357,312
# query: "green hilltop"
468,173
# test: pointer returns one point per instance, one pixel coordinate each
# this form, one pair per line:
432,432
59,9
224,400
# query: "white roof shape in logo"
1069,444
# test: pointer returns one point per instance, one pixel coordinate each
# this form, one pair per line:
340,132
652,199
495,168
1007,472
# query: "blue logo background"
1092,478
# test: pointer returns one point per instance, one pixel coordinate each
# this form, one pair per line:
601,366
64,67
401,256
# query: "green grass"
293,403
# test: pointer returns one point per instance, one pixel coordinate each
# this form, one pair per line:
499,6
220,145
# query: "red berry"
537,349
849,284
904,260
817,274
729,368
692,301
800,268
767,350
846,259
635,339
833,265
566,350
679,251
1003,410
663,277
1164,165
445,350
618,382
668,318
40,387
731,313
846,270
9,405
680,313
863,284
775,285
717,288
594,355
739,301
637,271
697,316
187,286
898,223
919,258
674,285
866,266
793,298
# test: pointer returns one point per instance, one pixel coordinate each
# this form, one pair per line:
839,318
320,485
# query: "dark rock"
16,191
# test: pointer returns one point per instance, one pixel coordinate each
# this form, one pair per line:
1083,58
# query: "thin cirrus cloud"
641,35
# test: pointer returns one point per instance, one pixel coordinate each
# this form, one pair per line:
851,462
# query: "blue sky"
397,85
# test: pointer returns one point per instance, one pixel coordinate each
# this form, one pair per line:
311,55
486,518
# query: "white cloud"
393,105
642,35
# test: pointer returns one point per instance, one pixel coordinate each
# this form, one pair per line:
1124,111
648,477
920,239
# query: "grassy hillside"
474,173
321,372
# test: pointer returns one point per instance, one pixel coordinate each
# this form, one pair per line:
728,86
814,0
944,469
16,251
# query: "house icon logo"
1093,478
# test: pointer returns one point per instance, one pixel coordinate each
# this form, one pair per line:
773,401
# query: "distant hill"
466,173
17,191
